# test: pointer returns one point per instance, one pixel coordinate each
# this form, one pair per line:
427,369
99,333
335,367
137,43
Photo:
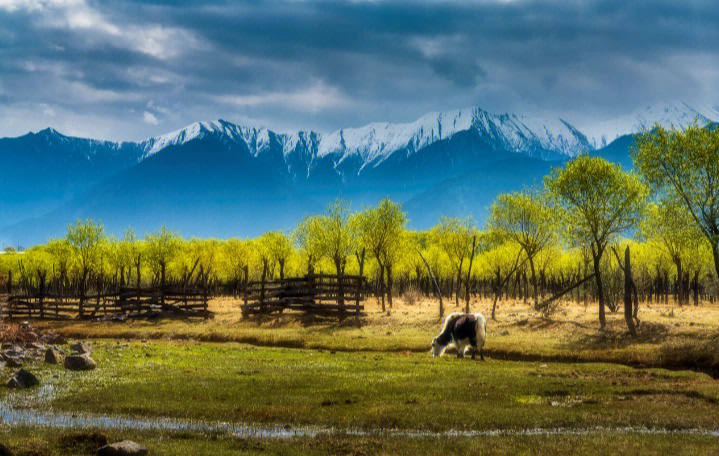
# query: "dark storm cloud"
134,69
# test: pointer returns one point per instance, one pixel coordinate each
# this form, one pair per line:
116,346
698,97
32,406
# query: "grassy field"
380,383
669,336
33,441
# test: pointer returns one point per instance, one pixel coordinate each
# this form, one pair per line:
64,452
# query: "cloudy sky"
130,70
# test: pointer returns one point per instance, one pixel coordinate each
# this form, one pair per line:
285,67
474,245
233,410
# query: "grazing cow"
463,331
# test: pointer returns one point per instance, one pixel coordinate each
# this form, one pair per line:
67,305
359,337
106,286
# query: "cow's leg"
481,353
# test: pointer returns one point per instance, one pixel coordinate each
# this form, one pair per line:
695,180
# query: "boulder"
22,379
13,362
79,362
36,346
56,339
5,451
52,356
15,352
124,448
81,348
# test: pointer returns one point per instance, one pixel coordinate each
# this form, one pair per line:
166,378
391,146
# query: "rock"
22,379
7,346
504,333
14,353
56,339
79,362
81,348
124,448
13,362
36,346
5,451
52,356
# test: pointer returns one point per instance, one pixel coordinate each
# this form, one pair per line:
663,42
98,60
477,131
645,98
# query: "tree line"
535,243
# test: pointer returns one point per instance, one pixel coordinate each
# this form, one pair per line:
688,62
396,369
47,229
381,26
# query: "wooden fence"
325,295
126,303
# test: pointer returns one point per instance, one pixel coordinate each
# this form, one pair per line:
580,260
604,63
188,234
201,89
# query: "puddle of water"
14,416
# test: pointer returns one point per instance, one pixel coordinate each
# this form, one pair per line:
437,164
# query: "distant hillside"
221,179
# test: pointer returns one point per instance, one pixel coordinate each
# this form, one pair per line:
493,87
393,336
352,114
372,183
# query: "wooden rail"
126,303
318,294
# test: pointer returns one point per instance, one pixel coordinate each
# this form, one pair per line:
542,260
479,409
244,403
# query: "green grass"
669,336
42,442
241,383
565,373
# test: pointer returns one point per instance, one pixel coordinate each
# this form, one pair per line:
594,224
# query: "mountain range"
218,179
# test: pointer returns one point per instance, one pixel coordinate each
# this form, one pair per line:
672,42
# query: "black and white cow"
463,331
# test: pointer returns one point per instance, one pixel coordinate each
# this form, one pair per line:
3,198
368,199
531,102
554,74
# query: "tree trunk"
338,265
497,292
381,283
262,285
680,280
597,257
389,285
535,293
360,261
715,254
469,274
628,302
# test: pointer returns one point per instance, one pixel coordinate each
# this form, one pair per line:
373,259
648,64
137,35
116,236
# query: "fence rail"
326,295
125,303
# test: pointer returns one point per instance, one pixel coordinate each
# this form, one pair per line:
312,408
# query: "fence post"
162,287
341,292
206,286
9,294
358,291
41,298
262,285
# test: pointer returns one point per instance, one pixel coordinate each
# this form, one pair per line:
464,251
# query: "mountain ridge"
216,177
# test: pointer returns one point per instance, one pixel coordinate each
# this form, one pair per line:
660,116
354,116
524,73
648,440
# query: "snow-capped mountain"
216,178
375,142
668,115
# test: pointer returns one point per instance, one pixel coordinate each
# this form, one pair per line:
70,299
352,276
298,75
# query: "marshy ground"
289,385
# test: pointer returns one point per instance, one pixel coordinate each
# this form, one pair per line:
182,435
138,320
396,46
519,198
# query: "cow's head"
436,347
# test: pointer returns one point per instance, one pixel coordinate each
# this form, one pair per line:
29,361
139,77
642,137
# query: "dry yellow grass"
668,336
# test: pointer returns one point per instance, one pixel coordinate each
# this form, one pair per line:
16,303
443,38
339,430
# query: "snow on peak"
180,136
669,115
256,139
376,141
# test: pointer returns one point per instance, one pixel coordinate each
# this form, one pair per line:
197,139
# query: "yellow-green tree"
162,246
528,219
683,165
277,249
308,237
457,237
86,239
672,226
381,231
599,201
